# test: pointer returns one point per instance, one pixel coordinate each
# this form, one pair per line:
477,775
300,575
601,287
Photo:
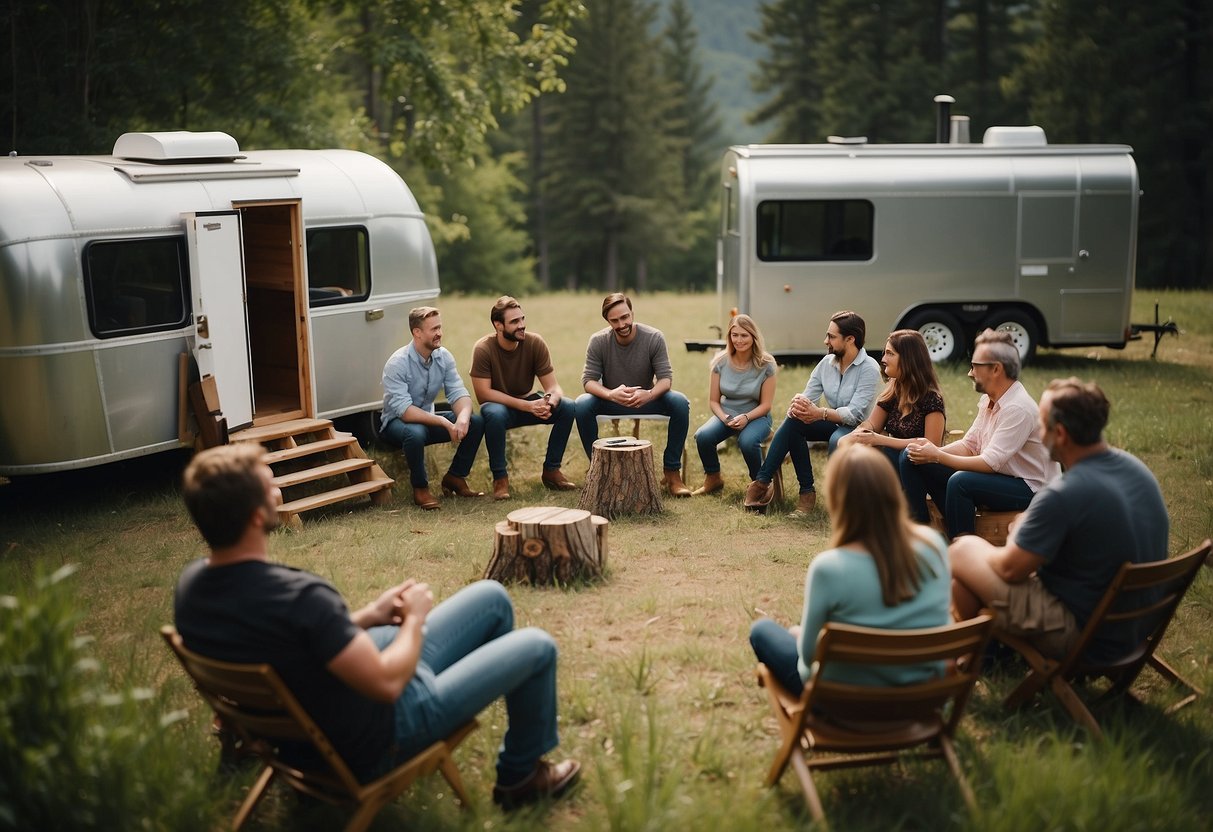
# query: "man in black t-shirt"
384,681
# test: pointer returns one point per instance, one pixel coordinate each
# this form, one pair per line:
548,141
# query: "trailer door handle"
374,314
204,329
1083,254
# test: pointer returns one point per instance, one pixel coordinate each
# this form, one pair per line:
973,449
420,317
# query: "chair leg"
254,797
949,754
1032,684
365,813
451,772
1070,701
811,798
1171,675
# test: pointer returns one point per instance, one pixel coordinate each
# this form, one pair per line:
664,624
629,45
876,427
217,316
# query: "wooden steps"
316,465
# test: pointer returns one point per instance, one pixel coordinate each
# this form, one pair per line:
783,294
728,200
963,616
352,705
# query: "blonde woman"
742,387
882,570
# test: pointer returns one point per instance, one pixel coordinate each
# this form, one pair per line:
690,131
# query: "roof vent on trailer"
1015,137
177,147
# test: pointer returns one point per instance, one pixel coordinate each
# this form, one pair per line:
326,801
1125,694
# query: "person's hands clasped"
541,408
738,422
631,396
416,600
922,452
864,436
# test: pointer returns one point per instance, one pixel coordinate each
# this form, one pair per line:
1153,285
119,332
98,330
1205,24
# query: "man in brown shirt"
504,367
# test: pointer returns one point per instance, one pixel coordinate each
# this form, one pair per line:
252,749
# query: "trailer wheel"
941,331
1023,330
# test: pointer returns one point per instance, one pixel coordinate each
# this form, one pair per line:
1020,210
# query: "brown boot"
711,484
501,488
424,499
458,486
547,782
758,495
555,481
673,484
806,503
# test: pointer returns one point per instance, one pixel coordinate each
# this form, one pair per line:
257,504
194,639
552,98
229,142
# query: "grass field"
657,692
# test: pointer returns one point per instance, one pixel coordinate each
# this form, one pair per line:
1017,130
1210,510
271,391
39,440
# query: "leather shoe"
501,488
711,484
458,486
424,499
804,505
673,484
758,495
548,780
556,482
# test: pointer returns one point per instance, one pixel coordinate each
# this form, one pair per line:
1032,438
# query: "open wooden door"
221,346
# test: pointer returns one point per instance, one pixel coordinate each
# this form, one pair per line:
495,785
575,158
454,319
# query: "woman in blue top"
883,571
742,388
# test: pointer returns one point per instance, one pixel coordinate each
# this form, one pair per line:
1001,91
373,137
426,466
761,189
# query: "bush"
73,754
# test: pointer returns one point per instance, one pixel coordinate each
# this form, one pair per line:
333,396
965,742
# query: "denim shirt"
407,380
852,393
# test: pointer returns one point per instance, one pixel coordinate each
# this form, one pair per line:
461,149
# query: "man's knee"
495,416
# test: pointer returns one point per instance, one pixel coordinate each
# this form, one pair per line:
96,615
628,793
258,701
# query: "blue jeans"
673,404
957,494
749,439
472,655
412,437
793,437
776,648
498,419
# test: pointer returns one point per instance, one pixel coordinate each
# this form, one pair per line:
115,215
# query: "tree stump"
548,545
621,480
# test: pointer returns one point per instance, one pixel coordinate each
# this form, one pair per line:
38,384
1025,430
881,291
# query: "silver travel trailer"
286,274
949,238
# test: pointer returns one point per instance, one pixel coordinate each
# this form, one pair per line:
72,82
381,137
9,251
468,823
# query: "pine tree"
791,72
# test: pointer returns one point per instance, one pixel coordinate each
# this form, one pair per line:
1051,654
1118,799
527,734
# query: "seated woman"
911,405
882,571
742,387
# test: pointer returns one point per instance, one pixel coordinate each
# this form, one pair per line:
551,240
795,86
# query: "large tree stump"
621,480
548,545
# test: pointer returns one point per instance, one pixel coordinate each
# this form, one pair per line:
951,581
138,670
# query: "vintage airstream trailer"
287,274
1011,233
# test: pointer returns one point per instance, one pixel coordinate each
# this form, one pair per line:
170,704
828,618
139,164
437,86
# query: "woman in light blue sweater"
882,571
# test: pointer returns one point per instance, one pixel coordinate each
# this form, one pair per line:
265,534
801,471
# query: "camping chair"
252,700
836,725
1164,583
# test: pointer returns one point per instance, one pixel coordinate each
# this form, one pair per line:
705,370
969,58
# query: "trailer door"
221,345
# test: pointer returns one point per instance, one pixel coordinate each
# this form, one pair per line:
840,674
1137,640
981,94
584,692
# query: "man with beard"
628,371
382,682
847,378
412,379
504,365
1062,554
999,463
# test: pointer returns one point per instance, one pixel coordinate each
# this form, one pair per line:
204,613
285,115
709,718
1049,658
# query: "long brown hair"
915,372
759,356
867,506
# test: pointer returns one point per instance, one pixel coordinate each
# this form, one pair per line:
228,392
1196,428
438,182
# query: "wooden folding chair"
836,725
252,701
1142,595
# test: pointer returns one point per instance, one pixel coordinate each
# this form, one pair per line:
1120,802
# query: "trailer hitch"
1159,330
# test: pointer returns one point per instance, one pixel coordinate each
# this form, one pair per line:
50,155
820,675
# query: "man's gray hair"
1002,349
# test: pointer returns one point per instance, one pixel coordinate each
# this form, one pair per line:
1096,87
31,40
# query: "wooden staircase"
316,465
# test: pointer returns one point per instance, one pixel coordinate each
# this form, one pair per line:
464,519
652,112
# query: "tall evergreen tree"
790,74
986,40
611,169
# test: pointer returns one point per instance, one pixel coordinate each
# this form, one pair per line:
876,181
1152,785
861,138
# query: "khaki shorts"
1031,611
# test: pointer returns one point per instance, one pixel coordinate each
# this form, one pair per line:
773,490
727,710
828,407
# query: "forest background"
560,144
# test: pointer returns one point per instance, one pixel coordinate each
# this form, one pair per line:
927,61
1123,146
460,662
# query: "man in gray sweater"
628,372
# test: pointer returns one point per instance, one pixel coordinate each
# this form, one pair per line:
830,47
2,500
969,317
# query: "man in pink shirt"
1000,462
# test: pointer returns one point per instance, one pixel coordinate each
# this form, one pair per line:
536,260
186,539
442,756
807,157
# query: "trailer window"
338,265
135,286
815,229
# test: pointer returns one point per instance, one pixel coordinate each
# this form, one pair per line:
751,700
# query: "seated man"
504,366
1000,463
412,379
385,681
627,371
848,379
1064,551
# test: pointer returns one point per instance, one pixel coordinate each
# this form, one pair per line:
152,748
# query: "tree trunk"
621,479
543,545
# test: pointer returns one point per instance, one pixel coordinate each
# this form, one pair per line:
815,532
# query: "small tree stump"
621,480
547,545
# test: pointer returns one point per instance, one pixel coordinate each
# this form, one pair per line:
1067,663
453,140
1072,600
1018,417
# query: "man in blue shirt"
848,379
412,380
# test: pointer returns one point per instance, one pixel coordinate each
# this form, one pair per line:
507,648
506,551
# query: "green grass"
657,693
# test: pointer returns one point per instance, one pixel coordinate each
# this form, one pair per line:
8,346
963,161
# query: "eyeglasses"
975,364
